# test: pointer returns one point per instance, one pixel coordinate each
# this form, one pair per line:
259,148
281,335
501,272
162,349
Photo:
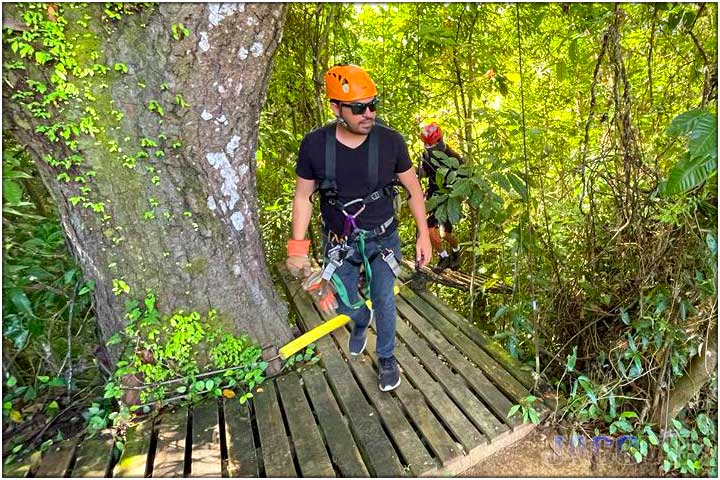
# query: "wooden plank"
521,372
309,447
171,442
133,461
343,450
496,372
375,447
94,456
494,398
464,462
56,460
460,426
276,453
470,405
451,278
206,460
242,457
433,429
411,447
378,452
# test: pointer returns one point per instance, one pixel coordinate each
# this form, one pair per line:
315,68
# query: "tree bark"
701,368
175,188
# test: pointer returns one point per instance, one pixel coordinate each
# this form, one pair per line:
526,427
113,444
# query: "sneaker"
358,340
388,374
454,262
442,264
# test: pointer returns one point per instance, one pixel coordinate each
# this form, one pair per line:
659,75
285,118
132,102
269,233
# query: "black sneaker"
358,340
442,264
388,374
454,262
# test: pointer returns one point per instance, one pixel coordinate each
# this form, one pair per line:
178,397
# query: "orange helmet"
431,134
348,83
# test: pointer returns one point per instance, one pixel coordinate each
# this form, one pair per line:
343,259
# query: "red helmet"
431,134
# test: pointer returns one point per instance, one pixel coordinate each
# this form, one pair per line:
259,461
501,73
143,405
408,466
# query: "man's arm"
298,261
302,207
423,249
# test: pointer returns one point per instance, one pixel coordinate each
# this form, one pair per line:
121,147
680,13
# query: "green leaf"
637,455
21,301
651,436
688,173
518,184
453,210
711,242
700,162
11,381
684,123
534,416
12,191
571,359
703,137
513,410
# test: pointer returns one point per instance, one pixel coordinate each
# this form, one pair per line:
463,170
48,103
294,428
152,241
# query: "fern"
700,161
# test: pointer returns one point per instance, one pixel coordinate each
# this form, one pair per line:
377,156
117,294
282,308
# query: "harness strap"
340,287
328,184
373,160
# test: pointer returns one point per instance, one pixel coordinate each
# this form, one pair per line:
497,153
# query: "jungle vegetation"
590,138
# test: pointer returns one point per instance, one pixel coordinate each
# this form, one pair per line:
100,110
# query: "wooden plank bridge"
330,419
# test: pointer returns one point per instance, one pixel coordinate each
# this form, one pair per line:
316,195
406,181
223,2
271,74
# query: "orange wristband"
298,248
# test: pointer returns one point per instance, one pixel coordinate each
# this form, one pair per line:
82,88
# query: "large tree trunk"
184,222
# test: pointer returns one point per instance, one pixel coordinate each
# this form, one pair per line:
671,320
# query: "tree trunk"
155,179
699,371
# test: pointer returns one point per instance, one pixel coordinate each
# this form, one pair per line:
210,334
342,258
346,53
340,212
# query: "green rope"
340,287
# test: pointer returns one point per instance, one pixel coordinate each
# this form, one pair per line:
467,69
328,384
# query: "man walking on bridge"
355,164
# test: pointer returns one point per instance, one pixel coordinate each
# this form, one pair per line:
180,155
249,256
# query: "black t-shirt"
351,174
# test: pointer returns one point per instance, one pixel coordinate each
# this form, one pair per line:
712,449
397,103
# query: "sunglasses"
358,108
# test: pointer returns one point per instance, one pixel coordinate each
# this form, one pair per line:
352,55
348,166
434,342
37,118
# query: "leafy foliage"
48,321
605,229
701,159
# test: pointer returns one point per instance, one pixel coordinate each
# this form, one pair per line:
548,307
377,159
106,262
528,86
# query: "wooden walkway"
330,419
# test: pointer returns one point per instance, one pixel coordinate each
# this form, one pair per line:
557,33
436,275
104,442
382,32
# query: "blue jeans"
381,289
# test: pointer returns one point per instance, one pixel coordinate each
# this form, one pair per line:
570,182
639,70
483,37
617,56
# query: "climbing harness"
342,248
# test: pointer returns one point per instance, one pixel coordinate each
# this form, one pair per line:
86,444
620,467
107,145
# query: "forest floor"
535,456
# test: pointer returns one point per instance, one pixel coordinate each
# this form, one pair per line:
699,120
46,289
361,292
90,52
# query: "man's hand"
298,263
423,250
322,290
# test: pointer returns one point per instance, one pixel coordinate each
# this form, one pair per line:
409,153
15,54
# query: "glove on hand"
322,291
297,261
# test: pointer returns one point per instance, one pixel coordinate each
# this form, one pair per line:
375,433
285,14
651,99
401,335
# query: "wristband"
298,248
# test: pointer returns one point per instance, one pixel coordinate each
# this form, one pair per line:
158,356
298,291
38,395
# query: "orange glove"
322,291
297,261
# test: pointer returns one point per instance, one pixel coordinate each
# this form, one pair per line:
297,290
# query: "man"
432,138
354,161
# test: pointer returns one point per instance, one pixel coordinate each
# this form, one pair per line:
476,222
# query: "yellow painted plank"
318,332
